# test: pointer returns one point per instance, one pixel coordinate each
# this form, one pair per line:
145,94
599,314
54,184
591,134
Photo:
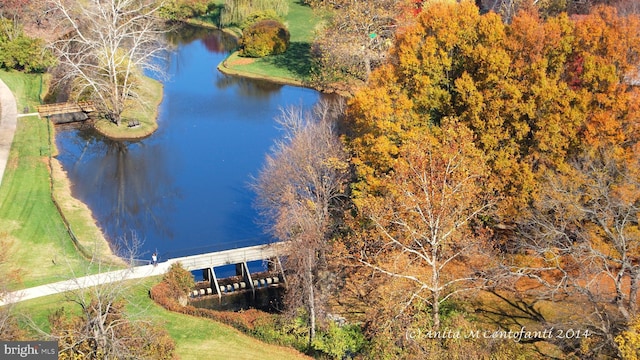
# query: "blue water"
184,190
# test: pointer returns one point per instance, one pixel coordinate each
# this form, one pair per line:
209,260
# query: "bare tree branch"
108,46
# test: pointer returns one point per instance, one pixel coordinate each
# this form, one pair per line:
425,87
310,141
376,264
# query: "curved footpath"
8,123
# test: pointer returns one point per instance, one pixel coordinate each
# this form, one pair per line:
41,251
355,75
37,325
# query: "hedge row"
166,296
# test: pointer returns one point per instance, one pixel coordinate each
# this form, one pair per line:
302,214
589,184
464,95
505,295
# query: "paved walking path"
8,122
137,272
193,262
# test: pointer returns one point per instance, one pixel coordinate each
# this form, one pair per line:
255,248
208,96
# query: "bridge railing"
233,256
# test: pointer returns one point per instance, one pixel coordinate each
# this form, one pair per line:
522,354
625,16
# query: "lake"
184,190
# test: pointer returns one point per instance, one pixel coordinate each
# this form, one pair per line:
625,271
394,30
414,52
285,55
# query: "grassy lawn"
294,66
39,247
25,87
146,114
195,338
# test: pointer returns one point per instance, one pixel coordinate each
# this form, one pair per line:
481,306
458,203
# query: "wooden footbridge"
62,113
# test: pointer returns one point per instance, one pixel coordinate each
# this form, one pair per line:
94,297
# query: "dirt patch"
240,61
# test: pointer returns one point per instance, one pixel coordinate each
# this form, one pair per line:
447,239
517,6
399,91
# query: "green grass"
195,338
28,88
294,66
146,114
39,248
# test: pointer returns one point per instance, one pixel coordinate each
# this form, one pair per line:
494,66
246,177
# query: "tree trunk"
435,283
311,300
633,293
619,300
435,308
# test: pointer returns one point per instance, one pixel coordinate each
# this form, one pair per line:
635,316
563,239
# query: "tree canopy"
550,108
109,45
533,92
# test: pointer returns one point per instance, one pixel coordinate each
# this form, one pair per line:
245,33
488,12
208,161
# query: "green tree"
180,10
20,52
235,12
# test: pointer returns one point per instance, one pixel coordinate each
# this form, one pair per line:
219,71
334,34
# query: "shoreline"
227,69
224,68
93,243
76,214
145,114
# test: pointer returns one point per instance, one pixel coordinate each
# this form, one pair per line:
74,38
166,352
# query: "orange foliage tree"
426,230
532,92
551,105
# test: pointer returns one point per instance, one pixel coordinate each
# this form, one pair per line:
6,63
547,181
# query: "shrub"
266,37
340,342
259,16
178,280
629,341
20,52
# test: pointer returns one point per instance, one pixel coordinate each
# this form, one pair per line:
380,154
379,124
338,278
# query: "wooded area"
550,107
495,182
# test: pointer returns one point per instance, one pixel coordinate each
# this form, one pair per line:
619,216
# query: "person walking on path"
154,259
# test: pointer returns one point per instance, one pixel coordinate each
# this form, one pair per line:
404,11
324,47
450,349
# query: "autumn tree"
522,88
427,231
544,99
582,239
604,68
355,40
300,190
580,236
103,331
110,43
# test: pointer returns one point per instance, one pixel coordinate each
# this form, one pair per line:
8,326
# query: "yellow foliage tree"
629,341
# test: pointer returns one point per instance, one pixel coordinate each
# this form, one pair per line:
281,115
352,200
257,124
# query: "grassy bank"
292,67
40,248
195,338
145,113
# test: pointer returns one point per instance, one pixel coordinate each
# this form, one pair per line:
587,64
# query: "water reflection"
184,189
126,186
248,87
214,41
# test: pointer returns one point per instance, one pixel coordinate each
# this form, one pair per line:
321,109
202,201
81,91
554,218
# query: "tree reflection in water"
184,190
128,188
